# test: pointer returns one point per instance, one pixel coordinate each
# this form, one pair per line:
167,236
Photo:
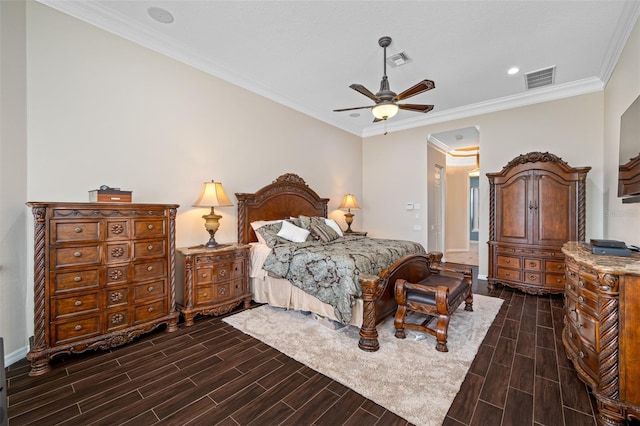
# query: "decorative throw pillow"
291,232
332,223
323,232
269,234
259,224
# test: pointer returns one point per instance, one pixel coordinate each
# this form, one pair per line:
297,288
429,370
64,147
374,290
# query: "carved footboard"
378,296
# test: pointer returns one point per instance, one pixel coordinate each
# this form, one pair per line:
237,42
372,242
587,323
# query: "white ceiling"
305,54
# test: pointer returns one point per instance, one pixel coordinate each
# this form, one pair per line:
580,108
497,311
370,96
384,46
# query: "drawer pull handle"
149,227
150,247
569,286
581,283
508,274
77,328
116,297
580,299
559,280
571,335
77,254
77,279
558,266
149,268
77,230
150,310
507,261
204,275
150,288
205,294
581,354
222,290
532,277
223,273
78,302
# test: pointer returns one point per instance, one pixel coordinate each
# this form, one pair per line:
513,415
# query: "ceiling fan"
386,101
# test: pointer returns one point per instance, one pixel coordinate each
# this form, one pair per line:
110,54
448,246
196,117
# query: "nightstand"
216,280
356,233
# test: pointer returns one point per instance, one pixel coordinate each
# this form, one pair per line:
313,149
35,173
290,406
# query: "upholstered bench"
437,294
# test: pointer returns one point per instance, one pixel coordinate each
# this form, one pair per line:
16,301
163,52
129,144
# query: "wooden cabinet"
602,329
537,203
216,280
103,275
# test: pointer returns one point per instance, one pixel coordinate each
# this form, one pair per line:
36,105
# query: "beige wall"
570,128
622,221
13,176
103,110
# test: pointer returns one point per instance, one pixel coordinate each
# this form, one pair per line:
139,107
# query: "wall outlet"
409,206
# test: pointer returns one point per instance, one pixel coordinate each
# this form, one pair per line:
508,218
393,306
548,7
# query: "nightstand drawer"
204,275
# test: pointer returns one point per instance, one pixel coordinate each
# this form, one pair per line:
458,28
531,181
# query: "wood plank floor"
213,374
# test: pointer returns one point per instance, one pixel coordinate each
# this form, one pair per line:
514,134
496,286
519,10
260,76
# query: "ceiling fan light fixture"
385,110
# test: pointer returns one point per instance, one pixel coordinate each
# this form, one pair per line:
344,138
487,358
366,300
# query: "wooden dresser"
216,280
537,203
602,329
104,273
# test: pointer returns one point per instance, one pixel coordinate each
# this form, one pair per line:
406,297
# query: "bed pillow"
269,234
260,223
293,233
332,223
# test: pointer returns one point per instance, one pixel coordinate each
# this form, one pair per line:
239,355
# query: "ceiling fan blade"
423,86
361,89
416,107
349,109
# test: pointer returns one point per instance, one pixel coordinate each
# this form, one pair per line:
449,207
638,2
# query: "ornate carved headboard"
287,196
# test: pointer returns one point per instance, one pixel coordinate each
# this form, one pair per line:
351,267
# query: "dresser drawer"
76,256
152,248
149,228
554,280
117,274
65,231
117,229
509,261
76,329
532,277
76,280
586,326
149,290
554,266
116,319
117,252
149,270
149,311
534,264
70,305
508,274
117,297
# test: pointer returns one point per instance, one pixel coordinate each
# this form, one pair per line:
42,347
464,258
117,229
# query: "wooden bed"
290,196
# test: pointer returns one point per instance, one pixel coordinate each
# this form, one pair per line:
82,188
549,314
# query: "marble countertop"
621,265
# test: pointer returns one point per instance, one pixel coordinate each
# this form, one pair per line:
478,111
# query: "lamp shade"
349,202
212,195
385,110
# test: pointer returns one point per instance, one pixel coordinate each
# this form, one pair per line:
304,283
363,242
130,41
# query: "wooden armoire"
537,203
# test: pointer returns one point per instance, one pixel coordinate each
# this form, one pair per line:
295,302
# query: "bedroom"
82,108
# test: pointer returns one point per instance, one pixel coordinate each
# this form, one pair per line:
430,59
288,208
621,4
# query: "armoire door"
553,209
513,218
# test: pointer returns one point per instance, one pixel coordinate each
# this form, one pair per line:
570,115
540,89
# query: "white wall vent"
540,78
398,59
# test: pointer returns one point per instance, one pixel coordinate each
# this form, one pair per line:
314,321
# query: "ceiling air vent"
540,78
398,59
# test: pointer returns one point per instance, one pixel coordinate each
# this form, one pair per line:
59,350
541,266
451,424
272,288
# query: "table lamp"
212,195
349,202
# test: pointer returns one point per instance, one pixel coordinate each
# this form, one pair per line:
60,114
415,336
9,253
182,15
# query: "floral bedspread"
329,271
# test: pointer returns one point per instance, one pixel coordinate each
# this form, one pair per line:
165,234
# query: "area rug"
410,378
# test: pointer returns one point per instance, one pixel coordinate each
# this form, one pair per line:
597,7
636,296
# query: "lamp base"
212,241
348,218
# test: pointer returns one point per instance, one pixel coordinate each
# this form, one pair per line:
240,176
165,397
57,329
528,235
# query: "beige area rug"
411,378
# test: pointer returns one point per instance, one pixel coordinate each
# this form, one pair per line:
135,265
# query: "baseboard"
482,277
16,356
456,250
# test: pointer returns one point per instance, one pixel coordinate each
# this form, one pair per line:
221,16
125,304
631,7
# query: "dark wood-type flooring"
213,374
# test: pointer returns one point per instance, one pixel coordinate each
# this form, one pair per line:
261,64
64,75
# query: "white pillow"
332,223
260,223
293,233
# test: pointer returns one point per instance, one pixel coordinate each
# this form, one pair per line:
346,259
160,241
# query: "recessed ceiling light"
354,114
160,15
513,70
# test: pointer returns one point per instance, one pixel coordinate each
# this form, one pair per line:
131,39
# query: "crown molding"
628,20
543,94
